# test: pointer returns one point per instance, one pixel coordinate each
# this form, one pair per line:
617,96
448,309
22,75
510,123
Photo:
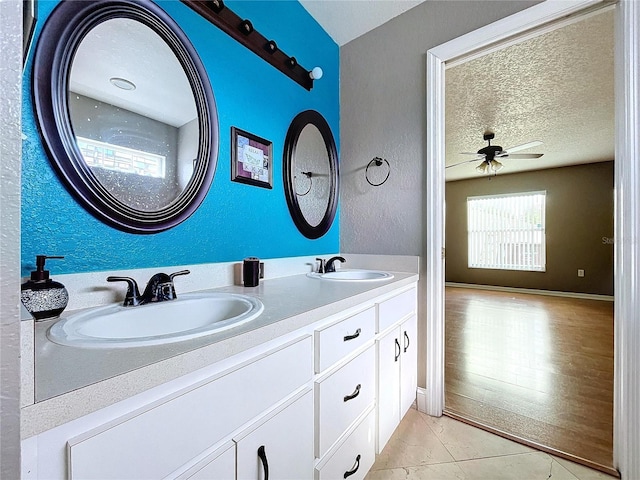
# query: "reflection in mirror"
311,174
126,112
133,137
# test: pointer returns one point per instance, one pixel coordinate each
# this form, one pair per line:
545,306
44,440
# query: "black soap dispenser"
42,297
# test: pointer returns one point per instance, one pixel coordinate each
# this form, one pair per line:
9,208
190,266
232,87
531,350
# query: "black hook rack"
377,161
242,31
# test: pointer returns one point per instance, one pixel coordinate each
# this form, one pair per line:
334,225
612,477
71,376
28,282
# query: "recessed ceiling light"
122,83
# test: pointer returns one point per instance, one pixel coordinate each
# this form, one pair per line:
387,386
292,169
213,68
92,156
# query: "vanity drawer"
342,397
154,441
219,464
396,308
355,456
337,340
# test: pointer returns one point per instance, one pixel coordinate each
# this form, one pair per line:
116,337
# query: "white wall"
383,113
10,147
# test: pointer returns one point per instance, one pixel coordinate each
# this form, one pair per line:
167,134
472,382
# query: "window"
121,159
506,232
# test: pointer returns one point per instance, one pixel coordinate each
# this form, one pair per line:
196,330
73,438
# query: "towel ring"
308,175
377,161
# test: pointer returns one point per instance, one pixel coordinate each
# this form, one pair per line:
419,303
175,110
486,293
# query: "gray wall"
383,113
10,151
579,214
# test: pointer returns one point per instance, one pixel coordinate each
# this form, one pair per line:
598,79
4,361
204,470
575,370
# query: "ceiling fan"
490,153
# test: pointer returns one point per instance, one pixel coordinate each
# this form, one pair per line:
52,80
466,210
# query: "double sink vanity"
304,376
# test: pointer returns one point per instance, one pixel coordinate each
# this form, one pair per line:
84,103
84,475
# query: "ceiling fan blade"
522,156
524,146
472,153
466,161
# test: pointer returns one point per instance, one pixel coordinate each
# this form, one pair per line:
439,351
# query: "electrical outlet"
580,272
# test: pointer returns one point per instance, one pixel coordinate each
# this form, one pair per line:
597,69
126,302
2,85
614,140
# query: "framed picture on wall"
251,159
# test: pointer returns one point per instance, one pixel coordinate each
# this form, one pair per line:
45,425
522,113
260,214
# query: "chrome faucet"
159,289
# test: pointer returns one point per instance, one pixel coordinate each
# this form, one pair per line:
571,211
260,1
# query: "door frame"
626,409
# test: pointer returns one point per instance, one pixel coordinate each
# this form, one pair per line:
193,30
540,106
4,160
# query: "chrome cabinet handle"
355,393
406,343
351,337
348,473
265,464
398,350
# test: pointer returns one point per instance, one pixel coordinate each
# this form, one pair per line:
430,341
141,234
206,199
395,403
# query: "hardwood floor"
533,367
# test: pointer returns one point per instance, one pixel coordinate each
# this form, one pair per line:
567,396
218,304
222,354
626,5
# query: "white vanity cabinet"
171,434
396,362
318,402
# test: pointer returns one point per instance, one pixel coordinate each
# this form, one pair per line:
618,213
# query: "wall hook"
246,27
377,161
271,46
216,5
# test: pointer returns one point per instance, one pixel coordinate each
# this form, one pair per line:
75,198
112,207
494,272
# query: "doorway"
627,224
519,363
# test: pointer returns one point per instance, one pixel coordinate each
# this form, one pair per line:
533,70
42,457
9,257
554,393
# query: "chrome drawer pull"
355,393
348,473
351,337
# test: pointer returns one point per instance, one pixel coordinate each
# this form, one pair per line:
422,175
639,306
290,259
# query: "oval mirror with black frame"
310,170
126,112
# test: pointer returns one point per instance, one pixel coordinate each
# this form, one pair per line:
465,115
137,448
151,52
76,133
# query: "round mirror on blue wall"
310,170
126,112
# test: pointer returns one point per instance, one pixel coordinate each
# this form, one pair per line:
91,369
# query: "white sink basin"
191,315
349,275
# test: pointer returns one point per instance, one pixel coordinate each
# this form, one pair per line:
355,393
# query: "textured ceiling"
345,20
556,88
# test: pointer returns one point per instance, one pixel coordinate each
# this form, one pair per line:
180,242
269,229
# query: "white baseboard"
532,291
422,399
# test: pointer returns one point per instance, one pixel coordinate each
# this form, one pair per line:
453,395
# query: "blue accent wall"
235,220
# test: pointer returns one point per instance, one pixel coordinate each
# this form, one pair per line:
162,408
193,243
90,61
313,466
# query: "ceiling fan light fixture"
489,153
496,166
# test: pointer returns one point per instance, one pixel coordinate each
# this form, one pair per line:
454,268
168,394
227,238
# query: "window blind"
507,232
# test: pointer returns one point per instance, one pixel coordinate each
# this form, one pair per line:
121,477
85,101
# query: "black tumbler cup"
251,272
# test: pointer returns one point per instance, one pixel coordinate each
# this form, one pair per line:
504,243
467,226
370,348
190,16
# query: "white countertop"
72,382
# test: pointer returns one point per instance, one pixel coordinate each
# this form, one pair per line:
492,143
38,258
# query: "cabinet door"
281,444
389,353
408,363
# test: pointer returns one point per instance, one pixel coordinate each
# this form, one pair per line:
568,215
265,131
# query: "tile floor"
425,447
